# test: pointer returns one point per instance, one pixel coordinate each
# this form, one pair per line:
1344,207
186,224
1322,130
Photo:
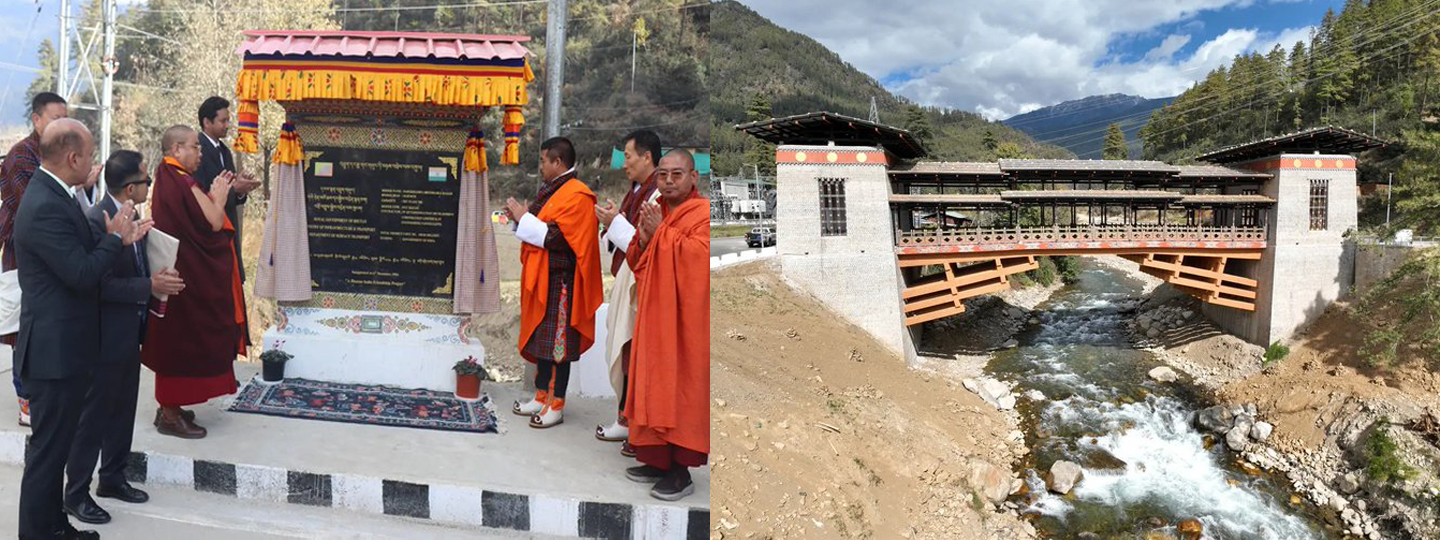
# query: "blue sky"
1005,57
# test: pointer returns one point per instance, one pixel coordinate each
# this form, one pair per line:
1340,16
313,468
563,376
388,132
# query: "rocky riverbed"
1312,415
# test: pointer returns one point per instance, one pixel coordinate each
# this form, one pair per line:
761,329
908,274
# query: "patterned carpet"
364,404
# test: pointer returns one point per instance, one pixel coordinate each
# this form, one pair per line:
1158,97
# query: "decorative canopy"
1325,139
421,69
826,127
410,67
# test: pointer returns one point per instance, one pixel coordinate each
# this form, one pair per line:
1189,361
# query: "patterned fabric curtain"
477,267
284,272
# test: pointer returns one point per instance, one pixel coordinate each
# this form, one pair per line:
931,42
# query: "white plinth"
406,350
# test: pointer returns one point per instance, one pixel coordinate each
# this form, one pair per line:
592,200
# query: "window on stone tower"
1319,204
832,207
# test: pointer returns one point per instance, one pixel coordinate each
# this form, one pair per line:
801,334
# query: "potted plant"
273,365
468,374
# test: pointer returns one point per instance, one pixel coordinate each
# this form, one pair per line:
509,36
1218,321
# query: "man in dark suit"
60,267
215,158
107,420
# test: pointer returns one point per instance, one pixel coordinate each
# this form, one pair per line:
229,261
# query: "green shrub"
1045,274
1381,347
1069,268
1383,462
1275,352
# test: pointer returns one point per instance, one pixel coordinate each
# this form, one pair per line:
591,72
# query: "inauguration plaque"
382,221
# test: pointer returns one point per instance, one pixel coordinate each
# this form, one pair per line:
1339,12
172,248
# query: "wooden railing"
1083,233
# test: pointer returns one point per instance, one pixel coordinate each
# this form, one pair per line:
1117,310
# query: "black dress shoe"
71,533
88,512
123,492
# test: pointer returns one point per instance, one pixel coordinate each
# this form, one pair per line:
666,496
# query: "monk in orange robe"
560,286
669,387
192,347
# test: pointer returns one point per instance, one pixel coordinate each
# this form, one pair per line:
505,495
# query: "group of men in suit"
85,290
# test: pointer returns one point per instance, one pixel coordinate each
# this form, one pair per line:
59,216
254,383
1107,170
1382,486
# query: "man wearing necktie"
215,158
107,421
61,265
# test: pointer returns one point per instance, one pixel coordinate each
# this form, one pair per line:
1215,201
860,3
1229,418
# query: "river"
1145,467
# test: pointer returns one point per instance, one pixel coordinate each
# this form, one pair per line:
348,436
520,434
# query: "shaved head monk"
192,345
670,354
560,286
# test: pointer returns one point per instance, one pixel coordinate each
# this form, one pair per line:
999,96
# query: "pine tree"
989,141
1115,143
45,80
1417,184
918,124
759,153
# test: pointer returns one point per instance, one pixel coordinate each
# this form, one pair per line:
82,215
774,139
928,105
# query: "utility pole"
554,64
60,83
634,39
108,64
1389,193
68,80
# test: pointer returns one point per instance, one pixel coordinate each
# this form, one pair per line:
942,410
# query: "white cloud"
1167,48
1003,57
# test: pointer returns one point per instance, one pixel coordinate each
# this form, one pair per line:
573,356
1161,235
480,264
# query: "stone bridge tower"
833,225
1309,261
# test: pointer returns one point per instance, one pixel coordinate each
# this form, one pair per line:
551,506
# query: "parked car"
760,237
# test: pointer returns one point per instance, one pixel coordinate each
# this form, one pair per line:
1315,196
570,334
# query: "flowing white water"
1102,403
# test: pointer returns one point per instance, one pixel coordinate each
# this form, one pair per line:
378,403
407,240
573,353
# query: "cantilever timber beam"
1204,274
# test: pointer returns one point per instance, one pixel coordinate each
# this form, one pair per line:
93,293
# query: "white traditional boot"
553,414
530,408
613,432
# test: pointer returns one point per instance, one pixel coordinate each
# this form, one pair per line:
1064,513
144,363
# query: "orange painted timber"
941,295
909,259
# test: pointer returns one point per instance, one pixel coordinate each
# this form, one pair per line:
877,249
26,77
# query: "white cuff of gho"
531,230
620,233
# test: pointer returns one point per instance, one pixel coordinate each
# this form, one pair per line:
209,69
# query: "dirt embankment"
820,433
1325,405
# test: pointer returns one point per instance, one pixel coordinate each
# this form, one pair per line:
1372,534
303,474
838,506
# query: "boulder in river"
1348,483
1214,419
1063,476
1164,374
1097,459
1189,529
1238,438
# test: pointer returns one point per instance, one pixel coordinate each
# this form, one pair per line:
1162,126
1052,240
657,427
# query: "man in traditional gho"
670,360
642,154
560,285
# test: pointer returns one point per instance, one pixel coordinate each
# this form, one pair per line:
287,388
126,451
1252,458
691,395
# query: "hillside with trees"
1081,125
1373,67
761,70
181,52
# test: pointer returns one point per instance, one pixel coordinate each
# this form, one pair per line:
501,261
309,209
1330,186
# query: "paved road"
731,244
182,514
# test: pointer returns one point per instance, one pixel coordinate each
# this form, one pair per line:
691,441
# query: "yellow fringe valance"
475,151
289,151
513,121
465,90
247,120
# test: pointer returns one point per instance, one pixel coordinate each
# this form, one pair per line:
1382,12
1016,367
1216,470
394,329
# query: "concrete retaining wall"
1373,262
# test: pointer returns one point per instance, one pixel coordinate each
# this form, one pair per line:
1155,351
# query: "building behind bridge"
1258,232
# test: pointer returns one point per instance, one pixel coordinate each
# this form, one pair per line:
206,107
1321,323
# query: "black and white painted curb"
460,505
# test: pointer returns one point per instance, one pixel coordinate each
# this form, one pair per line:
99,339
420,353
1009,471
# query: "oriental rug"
367,404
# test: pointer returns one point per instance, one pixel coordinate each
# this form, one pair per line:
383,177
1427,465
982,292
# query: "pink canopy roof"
384,44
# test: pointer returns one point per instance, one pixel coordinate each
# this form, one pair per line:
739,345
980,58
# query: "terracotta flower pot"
467,386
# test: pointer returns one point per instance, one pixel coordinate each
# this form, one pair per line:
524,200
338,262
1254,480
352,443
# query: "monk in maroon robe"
192,348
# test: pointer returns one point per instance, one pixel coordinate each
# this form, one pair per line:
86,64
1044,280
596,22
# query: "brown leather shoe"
176,425
188,414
